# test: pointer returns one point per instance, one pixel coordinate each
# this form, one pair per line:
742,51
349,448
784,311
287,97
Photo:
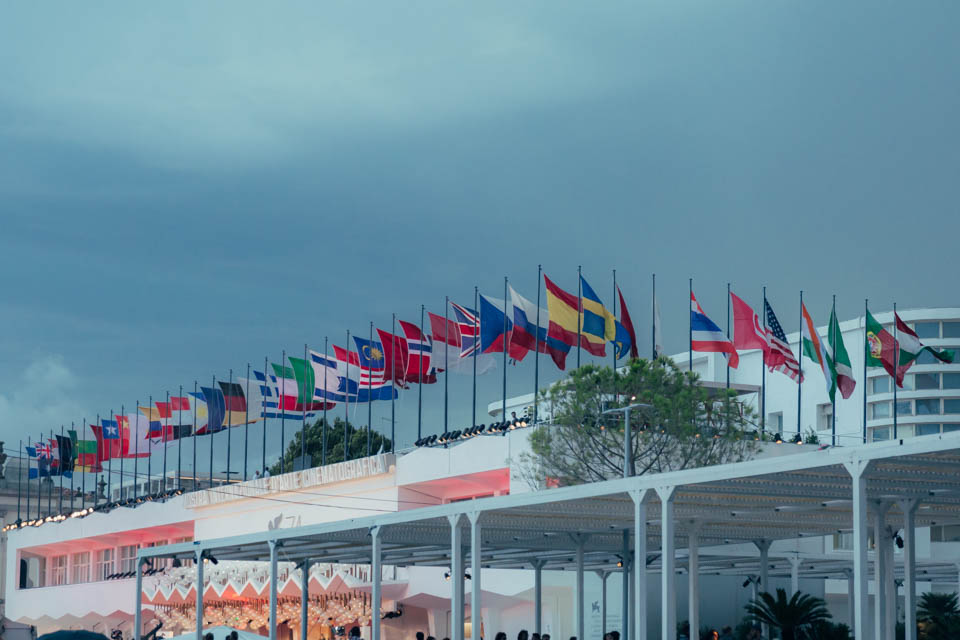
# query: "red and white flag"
748,331
419,352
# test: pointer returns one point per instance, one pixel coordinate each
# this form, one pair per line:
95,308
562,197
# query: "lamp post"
628,469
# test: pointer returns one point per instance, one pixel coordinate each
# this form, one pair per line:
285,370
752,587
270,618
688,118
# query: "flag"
419,354
111,430
598,325
265,395
85,452
748,332
235,403
362,383
527,335
627,325
66,456
565,319
880,348
780,357
395,355
707,336
41,452
816,350
216,410
104,449
445,337
839,357
468,324
137,439
492,325
910,345
297,389
657,338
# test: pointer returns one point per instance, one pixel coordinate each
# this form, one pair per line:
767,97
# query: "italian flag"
815,349
880,348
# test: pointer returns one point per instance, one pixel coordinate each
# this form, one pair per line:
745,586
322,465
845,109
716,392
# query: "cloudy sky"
186,188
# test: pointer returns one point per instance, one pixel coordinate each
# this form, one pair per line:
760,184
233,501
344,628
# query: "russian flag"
705,336
526,331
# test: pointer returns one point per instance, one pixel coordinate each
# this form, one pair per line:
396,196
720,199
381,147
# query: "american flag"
779,357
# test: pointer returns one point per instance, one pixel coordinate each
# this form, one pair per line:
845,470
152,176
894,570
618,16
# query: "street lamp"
628,469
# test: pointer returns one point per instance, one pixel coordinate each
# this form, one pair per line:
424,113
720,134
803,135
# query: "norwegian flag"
779,357
419,352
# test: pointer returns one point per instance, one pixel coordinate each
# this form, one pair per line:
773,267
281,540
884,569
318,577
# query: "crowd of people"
724,634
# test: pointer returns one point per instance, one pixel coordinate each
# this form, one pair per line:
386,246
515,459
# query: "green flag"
841,361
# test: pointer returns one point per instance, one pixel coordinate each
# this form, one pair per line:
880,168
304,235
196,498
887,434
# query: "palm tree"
939,615
790,616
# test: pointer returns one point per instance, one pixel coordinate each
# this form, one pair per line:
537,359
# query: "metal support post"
639,628
668,594
879,569
274,545
579,626
456,578
858,470
693,580
764,548
137,612
538,595
304,598
376,571
199,594
625,593
476,557
909,509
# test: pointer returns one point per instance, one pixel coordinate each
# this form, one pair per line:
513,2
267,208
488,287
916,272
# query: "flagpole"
150,447
228,419
96,497
728,335
263,414
476,347
653,323
446,361
39,479
420,380
282,386
163,439
323,433
180,435
690,324
536,353
800,362
50,470
833,401
136,455
22,457
303,424
504,408
83,478
246,425
866,349
579,310
763,372
73,471
614,349
210,427
346,405
122,452
60,453
896,369
393,378
193,465
109,468
369,395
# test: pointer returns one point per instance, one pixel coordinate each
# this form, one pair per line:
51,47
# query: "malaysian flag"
779,357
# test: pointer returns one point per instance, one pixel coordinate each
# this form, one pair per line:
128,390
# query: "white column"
850,601
603,575
639,627
879,570
909,509
456,579
889,588
693,581
304,598
137,612
794,575
476,555
857,470
376,579
274,545
625,626
668,594
764,548
199,594
538,595
579,626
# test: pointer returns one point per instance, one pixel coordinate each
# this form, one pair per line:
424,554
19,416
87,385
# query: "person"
534,636
545,636
523,635
266,473
714,635
500,636
234,635
419,635
726,633
208,636
431,638
256,476
614,635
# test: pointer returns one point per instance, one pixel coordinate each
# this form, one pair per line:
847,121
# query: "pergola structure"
663,519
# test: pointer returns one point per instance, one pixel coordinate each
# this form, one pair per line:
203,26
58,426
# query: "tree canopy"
356,436
684,425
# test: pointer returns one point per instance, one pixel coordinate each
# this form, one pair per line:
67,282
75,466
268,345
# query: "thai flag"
707,336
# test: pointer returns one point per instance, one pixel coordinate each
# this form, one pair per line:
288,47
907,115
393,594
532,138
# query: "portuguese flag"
880,348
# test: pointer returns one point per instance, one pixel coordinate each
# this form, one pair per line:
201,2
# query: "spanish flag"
595,324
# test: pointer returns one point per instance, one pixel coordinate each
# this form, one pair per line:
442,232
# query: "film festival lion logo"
876,347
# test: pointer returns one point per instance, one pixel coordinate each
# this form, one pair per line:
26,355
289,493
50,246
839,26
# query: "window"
880,384
908,384
951,427
880,410
81,568
951,406
925,357
951,329
58,570
904,407
927,329
882,433
945,533
775,421
824,415
927,381
928,429
928,407
951,381
128,558
184,562
104,565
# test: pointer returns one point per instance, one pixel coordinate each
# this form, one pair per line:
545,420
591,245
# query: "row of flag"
375,369
896,354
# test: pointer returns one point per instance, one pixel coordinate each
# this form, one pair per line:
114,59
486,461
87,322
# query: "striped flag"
707,337
815,349
780,357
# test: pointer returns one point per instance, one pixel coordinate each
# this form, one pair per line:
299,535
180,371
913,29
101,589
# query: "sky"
187,188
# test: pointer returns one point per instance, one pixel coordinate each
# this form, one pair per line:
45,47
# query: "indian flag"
815,349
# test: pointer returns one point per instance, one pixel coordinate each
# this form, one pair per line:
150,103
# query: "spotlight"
778,439
797,439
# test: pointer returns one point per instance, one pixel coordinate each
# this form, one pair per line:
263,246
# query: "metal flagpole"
476,348
179,436
303,421
61,466
83,478
21,457
504,409
346,406
446,361
369,395
228,419
800,362
393,378
614,345
282,387
690,321
728,335
123,451
74,451
323,435
96,495
246,426
896,369
163,439
263,413
193,465
136,456
149,490
833,401
866,351
210,427
579,310
653,315
109,467
420,380
536,352
49,475
763,372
